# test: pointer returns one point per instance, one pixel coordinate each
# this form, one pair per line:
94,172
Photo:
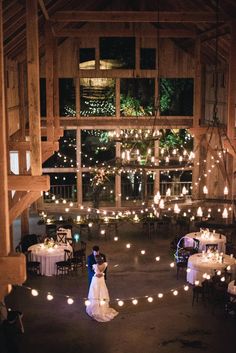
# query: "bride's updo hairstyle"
99,259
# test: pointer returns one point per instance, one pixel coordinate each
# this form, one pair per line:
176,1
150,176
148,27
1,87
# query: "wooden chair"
64,267
181,267
33,267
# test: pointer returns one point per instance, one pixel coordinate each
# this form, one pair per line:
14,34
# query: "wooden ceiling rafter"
163,33
14,26
9,14
135,16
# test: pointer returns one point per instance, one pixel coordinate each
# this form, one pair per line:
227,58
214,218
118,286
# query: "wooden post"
49,81
4,213
12,269
22,110
197,85
232,84
25,214
157,172
118,176
196,120
56,85
33,86
79,170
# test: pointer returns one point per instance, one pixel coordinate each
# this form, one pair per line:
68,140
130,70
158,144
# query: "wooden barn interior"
54,53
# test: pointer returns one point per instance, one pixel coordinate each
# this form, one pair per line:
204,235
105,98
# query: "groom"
91,261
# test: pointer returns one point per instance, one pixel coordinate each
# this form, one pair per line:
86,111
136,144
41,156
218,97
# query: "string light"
49,296
34,292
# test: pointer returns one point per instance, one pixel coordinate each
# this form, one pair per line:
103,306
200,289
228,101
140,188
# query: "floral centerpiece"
49,243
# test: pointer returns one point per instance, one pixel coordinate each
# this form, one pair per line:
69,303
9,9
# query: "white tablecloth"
214,238
198,266
48,257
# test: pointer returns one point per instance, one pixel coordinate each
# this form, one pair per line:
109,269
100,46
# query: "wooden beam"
26,146
163,33
136,16
24,202
128,122
232,84
230,146
43,9
33,86
28,183
49,80
197,85
14,267
122,73
4,215
198,131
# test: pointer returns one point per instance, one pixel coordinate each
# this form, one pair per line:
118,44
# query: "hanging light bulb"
205,190
157,197
176,209
225,213
168,192
161,204
226,190
184,191
199,212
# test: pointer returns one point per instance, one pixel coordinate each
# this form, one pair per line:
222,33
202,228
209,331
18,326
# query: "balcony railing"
67,192
128,191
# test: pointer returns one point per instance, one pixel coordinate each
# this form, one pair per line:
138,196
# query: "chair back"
67,255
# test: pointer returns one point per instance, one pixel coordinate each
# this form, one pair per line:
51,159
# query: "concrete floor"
167,325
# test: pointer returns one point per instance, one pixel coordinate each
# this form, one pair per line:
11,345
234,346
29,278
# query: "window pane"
148,58
116,52
96,147
67,97
66,156
137,96
176,96
97,97
87,58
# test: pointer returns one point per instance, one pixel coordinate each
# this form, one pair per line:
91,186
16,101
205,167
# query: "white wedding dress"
98,297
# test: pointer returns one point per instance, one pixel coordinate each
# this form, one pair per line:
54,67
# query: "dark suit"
91,261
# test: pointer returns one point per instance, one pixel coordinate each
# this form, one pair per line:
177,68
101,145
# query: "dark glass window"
147,58
67,99
43,108
176,96
87,58
96,148
137,96
66,156
117,52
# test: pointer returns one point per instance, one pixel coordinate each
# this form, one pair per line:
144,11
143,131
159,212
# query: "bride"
98,295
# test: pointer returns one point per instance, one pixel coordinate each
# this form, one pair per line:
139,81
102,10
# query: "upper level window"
67,99
176,96
147,58
117,53
87,58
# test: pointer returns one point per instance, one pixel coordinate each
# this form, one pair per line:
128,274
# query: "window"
67,99
117,53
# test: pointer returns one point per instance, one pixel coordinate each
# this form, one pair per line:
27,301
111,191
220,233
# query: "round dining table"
204,239
48,256
207,264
